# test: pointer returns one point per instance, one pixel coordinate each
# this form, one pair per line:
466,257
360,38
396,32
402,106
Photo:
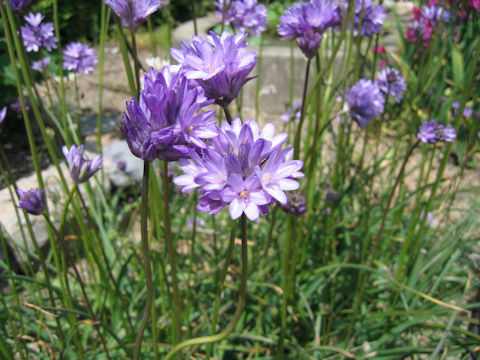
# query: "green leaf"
457,65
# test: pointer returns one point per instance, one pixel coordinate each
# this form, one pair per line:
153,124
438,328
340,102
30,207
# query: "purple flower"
32,201
246,15
80,166
370,17
244,168
36,34
295,204
364,101
293,114
42,64
132,13
431,132
424,22
166,120
306,22
17,105
19,6
219,64
467,111
427,132
391,82
79,58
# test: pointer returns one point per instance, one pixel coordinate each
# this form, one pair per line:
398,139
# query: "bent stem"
146,260
296,142
238,312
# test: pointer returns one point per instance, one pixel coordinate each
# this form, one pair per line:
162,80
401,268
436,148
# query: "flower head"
219,64
244,168
80,166
424,22
32,201
166,120
36,34
295,204
364,101
42,64
246,15
369,17
306,22
17,105
467,111
19,6
391,82
79,58
133,13
431,132
292,114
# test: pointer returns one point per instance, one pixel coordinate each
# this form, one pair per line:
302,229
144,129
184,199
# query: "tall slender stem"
171,256
240,303
298,134
146,259
195,28
376,241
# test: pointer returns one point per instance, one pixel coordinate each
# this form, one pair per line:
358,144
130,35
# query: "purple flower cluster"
32,201
244,168
424,22
133,13
365,102
42,64
295,204
80,166
390,82
431,132
79,58
367,15
166,121
467,111
36,34
17,105
219,64
306,22
19,6
245,15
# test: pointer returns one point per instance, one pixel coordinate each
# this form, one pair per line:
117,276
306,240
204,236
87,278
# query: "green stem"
136,61
171,256
146,260
240,304
298,133
195,28
220,286
126,61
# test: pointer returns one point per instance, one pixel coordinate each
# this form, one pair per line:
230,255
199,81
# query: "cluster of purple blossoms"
80,166
245,15
32,201
390,82
19,6
241,167
166,120
295,204
366,15
79,58
42,64
36,34
133,13
431,132
17,105
365,102
218,64
306,22
425,21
